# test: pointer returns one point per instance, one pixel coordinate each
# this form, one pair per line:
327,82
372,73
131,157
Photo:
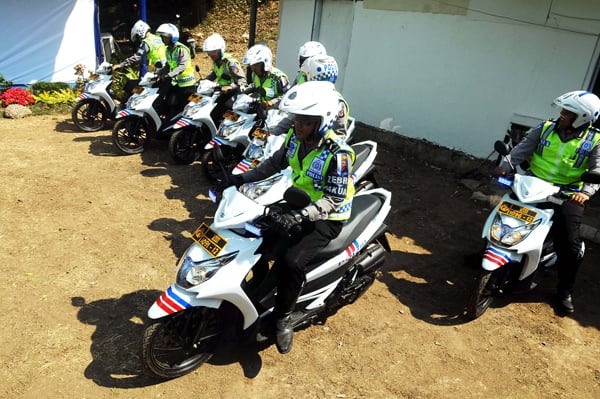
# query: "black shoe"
284,334
566,303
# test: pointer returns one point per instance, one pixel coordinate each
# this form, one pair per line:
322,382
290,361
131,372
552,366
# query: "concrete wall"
455,77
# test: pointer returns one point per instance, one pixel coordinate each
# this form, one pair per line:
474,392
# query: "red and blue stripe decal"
83,96
243,166
170,302
183,122
123,113
496,257
353,248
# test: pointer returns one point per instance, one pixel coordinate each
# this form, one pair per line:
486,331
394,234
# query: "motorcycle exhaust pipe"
370,260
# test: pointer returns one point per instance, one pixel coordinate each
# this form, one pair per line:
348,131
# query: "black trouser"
224,102
175,98
296,252
568,244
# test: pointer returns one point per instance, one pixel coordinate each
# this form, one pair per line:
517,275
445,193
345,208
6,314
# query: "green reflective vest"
310,175
563,163
185,78
269,84
227,59
157,49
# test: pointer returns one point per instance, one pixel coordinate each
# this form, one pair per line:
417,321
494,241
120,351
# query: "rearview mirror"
501,147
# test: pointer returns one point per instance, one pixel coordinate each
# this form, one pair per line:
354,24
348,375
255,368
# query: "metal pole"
143,68
253,11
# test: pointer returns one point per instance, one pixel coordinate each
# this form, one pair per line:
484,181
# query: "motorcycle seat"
364,209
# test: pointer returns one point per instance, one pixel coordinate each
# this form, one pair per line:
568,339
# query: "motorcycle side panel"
360,242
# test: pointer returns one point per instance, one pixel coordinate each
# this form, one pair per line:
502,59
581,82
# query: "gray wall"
454,76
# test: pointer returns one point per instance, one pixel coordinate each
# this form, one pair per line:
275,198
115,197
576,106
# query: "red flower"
16,95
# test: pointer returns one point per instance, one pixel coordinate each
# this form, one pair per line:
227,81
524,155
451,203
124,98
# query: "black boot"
285,301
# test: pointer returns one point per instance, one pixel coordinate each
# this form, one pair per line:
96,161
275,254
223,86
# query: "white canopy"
42,40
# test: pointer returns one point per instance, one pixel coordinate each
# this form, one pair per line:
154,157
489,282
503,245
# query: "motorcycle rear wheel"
186,145
130,135
89,115
481,297
177,345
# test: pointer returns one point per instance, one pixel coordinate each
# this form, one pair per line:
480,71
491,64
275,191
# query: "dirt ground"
88,240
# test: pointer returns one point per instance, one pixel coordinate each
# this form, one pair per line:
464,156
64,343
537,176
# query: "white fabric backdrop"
42,40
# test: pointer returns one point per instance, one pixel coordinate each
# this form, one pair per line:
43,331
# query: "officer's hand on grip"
283,223
230,180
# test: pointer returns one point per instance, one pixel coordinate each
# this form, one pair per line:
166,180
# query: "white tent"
42,40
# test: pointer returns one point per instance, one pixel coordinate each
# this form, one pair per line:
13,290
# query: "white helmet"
139,30
259,53
214,42
310,49
583,103
320,67
314,98
169,30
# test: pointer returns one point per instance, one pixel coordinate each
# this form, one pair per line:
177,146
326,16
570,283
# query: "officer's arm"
594,167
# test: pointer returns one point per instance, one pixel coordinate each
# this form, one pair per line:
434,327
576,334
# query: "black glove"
284,222
165,78
230,180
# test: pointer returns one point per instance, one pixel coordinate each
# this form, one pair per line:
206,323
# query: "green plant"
16,95
63,96
4,84
120,78
39,87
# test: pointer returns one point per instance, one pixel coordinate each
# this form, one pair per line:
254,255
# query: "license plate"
232,116
518,212
208,239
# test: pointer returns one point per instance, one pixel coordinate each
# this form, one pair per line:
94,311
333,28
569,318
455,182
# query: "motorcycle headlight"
256,189
191,109
227,129
506,235
192,273
256,151
134,101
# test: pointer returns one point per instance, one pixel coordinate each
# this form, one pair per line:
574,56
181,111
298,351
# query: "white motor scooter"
140,121
226,286
234,133
195,128
96,104
517,239
264,143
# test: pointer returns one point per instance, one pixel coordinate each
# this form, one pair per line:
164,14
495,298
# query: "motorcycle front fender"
85,95
216,141
129,112
175,299
495,257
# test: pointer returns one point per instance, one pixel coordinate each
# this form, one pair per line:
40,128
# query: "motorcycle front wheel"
89,115
482,296
178,344
185,145
130,135
212,169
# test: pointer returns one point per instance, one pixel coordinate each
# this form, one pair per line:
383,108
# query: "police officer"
178,76
321,166
150,46
226,70
307,50
265,76
559,151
